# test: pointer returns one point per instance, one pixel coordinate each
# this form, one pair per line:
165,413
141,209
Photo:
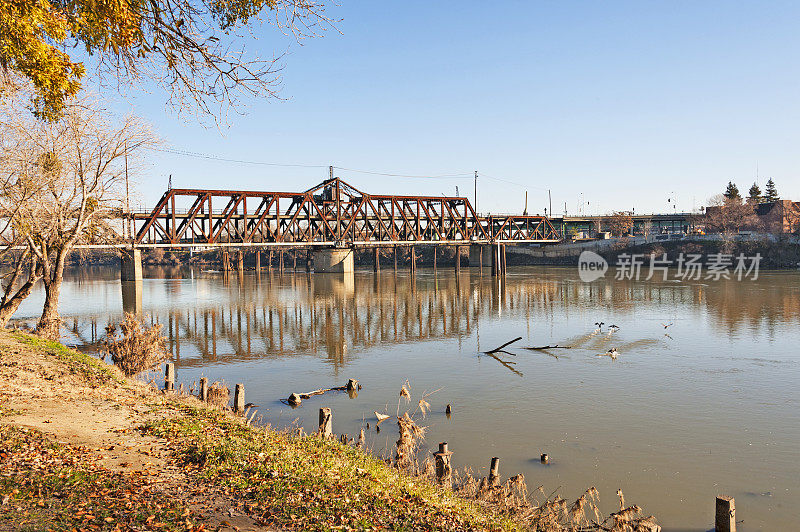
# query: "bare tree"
727,216
62,182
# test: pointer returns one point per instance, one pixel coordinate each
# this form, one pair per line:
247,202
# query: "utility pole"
128,230
330,172
476,191
550,197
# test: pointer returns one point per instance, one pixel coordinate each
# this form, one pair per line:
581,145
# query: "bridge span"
331,219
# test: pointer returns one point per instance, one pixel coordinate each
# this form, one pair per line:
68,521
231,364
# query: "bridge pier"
131,267
457,259
132,297
376,262
258,262
480,255
413,260
331,260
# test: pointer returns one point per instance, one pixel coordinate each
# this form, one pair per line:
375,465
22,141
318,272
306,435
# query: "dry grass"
135,347
218,394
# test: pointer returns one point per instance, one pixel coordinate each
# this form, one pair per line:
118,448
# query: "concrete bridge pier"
131,269
131,277
480,255
333,260
132,297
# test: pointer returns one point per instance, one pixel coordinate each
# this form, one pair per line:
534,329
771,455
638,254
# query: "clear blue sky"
627,103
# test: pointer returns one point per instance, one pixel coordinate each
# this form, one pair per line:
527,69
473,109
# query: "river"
708,405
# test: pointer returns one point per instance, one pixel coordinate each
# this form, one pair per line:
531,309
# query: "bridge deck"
331,214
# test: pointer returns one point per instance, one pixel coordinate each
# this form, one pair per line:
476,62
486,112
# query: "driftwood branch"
540,348
496,349
296,398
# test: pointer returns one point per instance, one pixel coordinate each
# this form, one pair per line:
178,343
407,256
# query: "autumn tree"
620,223
771,192
62,183
754,194
727,216
732,192
193,48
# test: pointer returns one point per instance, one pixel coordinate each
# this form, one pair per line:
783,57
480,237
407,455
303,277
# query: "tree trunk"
8,308
49,325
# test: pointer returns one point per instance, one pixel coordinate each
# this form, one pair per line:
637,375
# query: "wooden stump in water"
169,377
494,472
203,389
726,514
325,422
444,471
238,399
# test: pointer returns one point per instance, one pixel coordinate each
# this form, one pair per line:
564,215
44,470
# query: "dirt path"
49,395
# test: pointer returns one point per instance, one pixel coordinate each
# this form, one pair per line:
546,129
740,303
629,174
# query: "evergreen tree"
754,195
770,192
732,192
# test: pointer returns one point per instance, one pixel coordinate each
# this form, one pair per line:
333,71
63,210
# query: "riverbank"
83,447
775,255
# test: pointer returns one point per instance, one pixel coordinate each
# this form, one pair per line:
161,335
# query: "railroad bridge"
329,220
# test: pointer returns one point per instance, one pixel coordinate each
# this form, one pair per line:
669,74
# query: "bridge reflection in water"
211,318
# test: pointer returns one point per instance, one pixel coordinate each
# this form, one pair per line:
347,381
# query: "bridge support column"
457,263
308,260
280,261
395,259
376,262
131,267
240,262
480,255
435,248
413,260
132,297
331,260
258,262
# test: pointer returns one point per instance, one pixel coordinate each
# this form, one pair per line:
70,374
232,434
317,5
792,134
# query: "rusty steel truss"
331,214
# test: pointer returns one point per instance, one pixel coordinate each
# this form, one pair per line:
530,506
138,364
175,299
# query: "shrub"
136,347
218,394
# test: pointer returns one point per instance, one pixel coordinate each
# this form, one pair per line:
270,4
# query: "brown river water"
709,405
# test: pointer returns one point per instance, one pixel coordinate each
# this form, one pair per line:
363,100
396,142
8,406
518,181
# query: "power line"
441,176
187,153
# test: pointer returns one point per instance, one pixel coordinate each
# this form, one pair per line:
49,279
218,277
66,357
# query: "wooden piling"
238,399
308,260
203,389
444,471
503,255
495,261
258,261
395,259
280,261
458,260
226,264
169,377
434,259
294,259
494,472
240,261
376,261
325,422
269,262
413,259
726,514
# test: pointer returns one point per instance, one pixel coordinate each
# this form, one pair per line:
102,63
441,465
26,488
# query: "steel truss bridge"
331,214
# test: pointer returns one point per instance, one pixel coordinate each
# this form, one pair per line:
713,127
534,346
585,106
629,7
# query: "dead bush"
133,346
218,394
